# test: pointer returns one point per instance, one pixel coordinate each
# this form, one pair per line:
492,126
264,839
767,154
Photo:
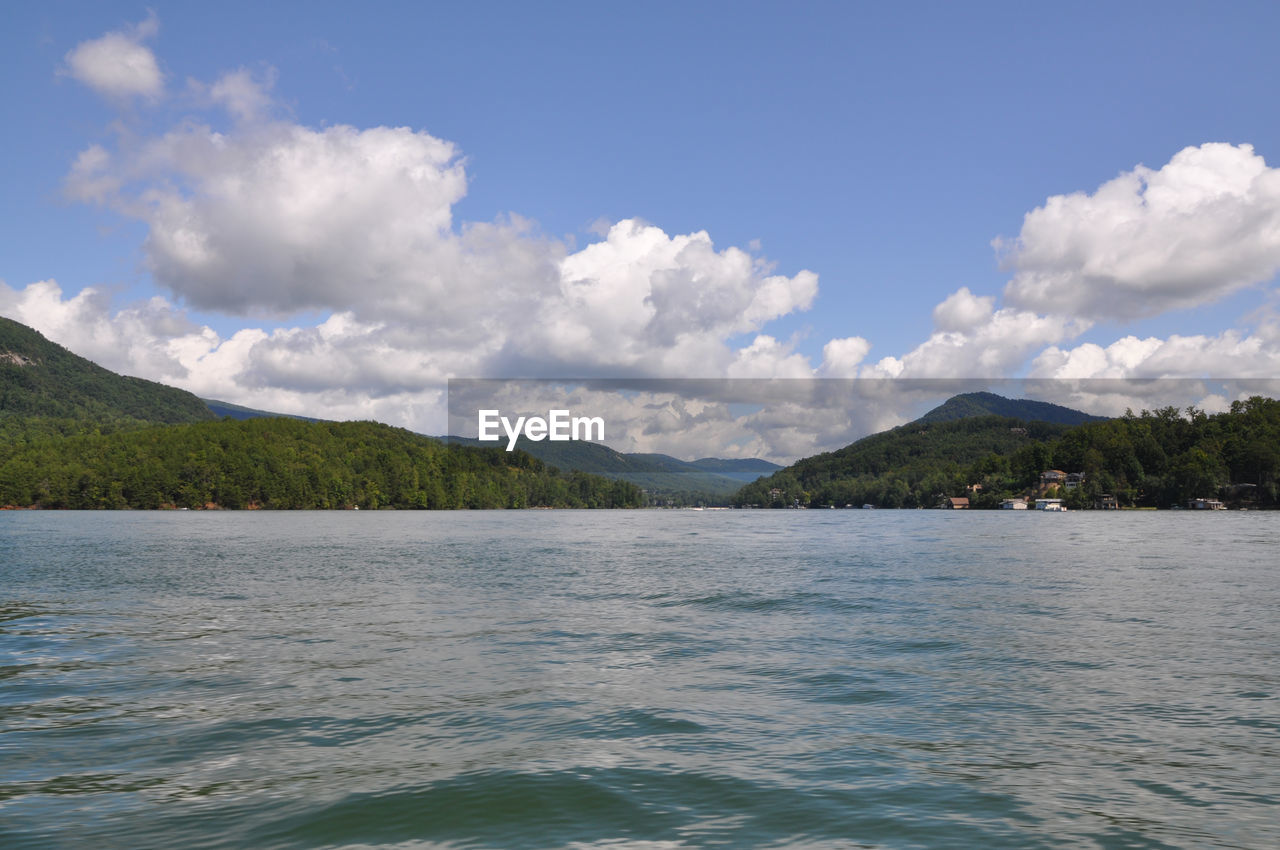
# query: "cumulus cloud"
975,340
1230,354
118,65
1204,225
275,218
841,357
767,357
283,218
643,300
963,311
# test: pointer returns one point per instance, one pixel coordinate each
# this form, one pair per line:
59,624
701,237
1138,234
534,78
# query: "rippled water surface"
643,679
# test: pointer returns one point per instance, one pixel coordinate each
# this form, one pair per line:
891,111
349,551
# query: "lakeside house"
1049,505
957,503
1013,505
1051,477
1107,502
1074,480
1205,505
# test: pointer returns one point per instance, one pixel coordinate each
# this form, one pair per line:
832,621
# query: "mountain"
910,465
236,411
39,378
76,435
665,478
967,405
741,469
907,466
1161,458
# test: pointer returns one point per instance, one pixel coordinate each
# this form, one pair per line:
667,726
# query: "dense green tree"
1157,458
285,464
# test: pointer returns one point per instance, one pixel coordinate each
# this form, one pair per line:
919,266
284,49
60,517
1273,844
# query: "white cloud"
1203,226
664,305
277,218
1230,354
245,97
766,357
117,64
963,311
974,340
339,369
282,218
840,357
142,339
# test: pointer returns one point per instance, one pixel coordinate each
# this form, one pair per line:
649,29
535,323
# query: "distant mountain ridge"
706,479
41,378
967,405
240,412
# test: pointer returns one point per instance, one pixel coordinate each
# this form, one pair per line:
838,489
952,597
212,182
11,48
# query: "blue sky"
850,165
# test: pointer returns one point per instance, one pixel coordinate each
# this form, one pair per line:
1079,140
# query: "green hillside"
904,467
968,405
39,378
76,435
287,464
1158,458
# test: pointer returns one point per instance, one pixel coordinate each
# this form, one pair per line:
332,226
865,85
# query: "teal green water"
811,679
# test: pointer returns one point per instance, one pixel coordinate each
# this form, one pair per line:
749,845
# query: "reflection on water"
650,679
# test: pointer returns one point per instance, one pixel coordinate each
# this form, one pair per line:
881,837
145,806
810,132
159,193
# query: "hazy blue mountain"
741,469
706,479
239,412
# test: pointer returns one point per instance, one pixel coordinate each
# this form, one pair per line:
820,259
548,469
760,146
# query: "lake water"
649,679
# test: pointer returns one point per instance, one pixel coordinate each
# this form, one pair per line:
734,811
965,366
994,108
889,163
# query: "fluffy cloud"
1204,225
282,218
1231,354
974,340
117,64
766,357
962,311
276,218
840,357
643,300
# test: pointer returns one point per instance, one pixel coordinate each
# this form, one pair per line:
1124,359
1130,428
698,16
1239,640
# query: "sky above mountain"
330,210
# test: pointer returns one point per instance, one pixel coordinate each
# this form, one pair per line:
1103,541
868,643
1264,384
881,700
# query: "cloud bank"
252,216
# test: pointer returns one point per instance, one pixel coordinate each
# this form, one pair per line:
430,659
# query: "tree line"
1157,458
276,463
